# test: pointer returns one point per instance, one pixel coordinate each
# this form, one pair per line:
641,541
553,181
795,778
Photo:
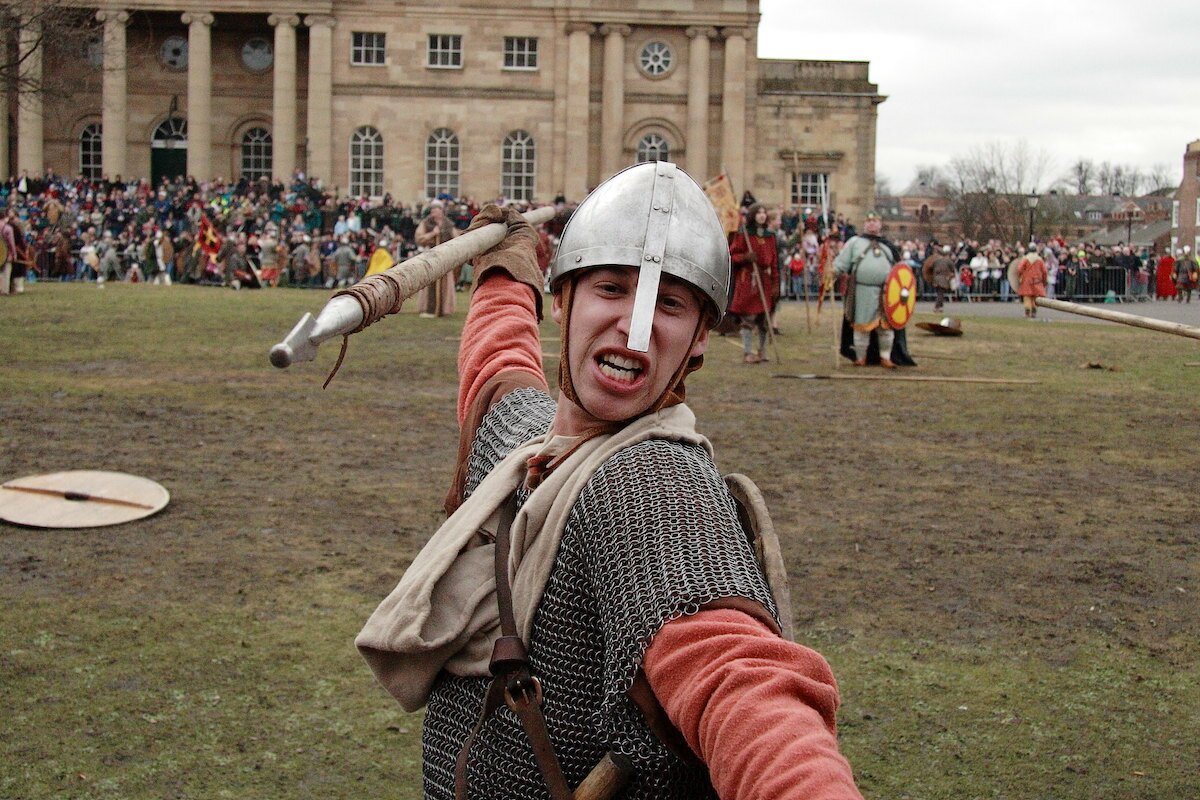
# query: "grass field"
1004,577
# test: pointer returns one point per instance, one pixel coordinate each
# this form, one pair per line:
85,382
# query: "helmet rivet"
656,208
649,258
578,259
655,259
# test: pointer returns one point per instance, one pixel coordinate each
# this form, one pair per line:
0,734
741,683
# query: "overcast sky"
1108,80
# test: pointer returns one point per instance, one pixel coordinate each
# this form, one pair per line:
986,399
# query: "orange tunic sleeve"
500,351
758,710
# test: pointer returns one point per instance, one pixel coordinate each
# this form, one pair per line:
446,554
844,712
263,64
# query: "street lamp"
1031,201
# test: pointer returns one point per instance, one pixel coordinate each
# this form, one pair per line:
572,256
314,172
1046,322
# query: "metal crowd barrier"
1090,285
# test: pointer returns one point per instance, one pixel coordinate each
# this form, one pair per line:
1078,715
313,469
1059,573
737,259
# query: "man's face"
873,226
612,382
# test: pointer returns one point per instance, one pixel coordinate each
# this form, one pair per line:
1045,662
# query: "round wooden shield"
899,296
1014,281
80,499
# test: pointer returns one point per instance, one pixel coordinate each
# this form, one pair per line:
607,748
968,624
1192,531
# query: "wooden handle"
606,779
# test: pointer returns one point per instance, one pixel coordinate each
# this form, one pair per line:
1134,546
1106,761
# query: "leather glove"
516,254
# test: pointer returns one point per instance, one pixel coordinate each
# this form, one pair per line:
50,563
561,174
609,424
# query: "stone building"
529,100
1185,212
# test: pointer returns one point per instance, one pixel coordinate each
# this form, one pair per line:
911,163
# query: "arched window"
257,154
441,163
653,147
518,166
171,133
366,162
90,151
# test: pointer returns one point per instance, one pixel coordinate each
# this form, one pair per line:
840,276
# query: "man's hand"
516,254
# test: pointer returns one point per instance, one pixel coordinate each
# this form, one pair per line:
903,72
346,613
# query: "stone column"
283,102
733,109
579,88
320,97
612,109
199,94
114,105
30,155
697,103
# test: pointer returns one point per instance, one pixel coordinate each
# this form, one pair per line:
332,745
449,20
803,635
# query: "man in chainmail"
868,259
642,631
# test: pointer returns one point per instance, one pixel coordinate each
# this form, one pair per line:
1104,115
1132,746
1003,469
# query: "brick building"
467,98
1185,212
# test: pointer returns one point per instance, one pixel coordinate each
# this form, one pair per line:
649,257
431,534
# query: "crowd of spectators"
263,233
299,234
1077,271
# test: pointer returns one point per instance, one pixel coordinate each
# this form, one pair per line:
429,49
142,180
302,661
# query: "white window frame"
1174,213
653,147
518,166
366,162
521,53
368,48
806,188
444,51
1198,210
91,151
442,163
256,153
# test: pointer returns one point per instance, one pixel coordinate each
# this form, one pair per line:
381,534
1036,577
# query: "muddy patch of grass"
1004,577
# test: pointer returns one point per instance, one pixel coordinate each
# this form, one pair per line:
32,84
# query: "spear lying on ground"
1176,328
378,296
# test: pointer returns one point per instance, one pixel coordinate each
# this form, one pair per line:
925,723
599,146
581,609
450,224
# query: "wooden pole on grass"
1176,328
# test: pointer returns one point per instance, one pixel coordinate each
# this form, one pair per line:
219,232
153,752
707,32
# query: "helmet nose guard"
652,217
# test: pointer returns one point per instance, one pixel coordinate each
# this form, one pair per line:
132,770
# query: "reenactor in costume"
593,597
8,257
938,271
755,255
437,300
867,260
1164,277
158,256
1187,275
1032,278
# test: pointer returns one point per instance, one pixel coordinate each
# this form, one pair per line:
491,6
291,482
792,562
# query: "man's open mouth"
619,368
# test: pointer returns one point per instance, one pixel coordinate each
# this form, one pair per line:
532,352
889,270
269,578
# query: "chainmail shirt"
653,536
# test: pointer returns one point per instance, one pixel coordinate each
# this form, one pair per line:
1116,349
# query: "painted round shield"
899,296
80,499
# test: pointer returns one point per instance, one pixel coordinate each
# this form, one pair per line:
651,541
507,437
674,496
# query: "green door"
167,162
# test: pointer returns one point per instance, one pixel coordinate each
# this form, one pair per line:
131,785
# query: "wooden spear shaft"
1176,328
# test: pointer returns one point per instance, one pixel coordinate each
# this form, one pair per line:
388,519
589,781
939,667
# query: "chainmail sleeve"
664,539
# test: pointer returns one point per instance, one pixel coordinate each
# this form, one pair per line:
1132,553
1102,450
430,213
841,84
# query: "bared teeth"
620,368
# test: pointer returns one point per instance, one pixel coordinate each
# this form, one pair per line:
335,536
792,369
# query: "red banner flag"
208,239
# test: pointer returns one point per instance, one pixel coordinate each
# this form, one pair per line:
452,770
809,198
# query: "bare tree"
26,27
1081,176
1160,176
986,189
1119,179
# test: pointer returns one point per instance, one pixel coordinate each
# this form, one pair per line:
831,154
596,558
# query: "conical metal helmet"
655,218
